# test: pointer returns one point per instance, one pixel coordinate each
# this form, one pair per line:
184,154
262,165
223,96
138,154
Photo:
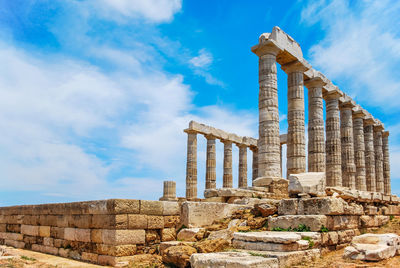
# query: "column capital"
254,149
190,131
359,112
334,94
210,136
378,128
266,46
241,145
296,66
385,134
227,142
369,121
314,82
346,102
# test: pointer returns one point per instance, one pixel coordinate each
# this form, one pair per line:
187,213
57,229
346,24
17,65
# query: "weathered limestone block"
231,259
288,206
119,237
371,210
342,222
90,257
76,234
168,234
122,206
353,209
212,245
148,207
191,234
165,245
373,221
155,222
266,246
137,221
315,222
15,244
193,213
178,255
11,236
44,231
291,258
268,237
329,238
345,236
312,183
322,206
373,247
30,230
119,221
171,221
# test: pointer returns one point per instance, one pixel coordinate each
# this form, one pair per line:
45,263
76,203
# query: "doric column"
386,162
191,165
333,146
169,191
296,142
369,153
359,148
227,179
242,165
378,158
254,174
268,142
347,143
210,163
316,135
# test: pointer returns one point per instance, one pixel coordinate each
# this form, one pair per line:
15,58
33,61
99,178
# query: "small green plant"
255,254
310,241
391,217
265,224
279,229
27,258
302,228
323,229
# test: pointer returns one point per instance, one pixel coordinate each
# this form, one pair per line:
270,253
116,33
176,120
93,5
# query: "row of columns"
355,154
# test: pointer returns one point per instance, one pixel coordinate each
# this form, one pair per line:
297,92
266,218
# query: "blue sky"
95,93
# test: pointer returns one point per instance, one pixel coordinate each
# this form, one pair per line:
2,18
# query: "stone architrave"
269,141
333,145
296,141
254,174
359,148
242,166
227,177
169,191
210,163
386,162
316,137
378,158
191,165
347,143
369,153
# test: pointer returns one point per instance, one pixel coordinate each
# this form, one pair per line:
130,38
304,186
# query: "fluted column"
359,148
191,165
386,162
316,137
347,144
169,191
242,166
378,158
369,154
254,174
227,178
268,142
210,163
296,142
333,145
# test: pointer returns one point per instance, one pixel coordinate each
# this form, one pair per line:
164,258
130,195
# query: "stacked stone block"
103,232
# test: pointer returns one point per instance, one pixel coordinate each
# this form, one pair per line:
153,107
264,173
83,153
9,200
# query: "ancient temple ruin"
350,146
331,192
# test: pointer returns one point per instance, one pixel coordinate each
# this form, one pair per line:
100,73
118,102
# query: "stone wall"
102,232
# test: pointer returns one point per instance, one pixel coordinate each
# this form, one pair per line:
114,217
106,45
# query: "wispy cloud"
203,60
201,66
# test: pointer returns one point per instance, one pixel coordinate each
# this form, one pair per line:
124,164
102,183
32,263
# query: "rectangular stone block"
69,234
13,243
63,220
11,236
48,220
393,210
155,222
80,221
373,221
82,235
171,221
90,257
137,221
198,214
123,206
44,231
171,208
45,249
122,237
63,252
48,241
119,221
371,210
148,207
116,250
321,206
342,222
13,228
314,222
57,232
96,235
288,206
30,230
31,220
3,227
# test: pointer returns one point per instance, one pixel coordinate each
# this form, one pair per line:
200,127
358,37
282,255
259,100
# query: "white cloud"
361,47
151,10
203,60
201,65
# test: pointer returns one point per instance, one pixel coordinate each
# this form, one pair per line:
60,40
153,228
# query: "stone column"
316,137
169,191
254,174
369,153
191,165
280,157
242,166
227,179
386,162
268,142
210,163
296,142
378,158
347,143
333,146
359,148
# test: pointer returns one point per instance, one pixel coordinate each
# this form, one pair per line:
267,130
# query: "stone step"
288,259
232,260
276,241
